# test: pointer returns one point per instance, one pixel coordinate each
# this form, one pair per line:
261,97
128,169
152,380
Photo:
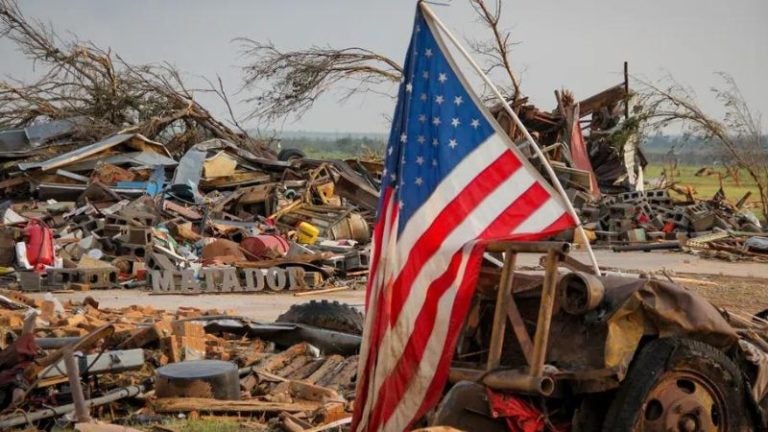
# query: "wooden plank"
320,291
175,405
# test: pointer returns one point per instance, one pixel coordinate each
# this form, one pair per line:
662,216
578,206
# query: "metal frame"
535,352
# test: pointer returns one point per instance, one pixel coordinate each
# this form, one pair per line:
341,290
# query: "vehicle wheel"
328,315
680,385
290,154
465,407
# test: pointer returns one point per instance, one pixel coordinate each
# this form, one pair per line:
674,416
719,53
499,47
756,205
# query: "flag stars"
436,121
439,99
455,122
423,118
442,78
389,150
409,87
458,100
428,52
434,162
452,143
423,97
419,181
392,177
420,160
425,74
475,123
435,142
421,139
403,137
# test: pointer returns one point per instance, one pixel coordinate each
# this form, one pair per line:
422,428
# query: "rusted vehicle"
572,351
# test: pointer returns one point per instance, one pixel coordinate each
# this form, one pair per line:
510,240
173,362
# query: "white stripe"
425,371
543,217
396,337
409,404
449,188
387,254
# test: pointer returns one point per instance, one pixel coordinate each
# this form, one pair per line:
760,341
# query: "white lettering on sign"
228,279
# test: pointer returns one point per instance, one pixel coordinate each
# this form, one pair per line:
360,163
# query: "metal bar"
532,247
541,338
499,315
574,264
519,123
27,418
507,380
78,398
518,326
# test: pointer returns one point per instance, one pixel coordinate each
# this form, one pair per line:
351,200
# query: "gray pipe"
118,394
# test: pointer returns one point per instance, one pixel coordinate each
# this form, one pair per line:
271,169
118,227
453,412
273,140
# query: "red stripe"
378,233
449,218
460,309
379,318
395,385
454,212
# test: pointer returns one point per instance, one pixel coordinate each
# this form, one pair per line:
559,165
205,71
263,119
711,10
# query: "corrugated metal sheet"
90,150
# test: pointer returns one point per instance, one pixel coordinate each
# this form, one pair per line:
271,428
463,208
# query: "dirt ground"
742,286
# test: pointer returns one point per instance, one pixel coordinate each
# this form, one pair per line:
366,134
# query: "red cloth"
520,415
580,158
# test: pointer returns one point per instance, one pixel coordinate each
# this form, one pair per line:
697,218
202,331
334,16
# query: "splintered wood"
294,386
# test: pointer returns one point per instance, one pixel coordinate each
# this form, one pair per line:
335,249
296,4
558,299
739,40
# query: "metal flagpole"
556,183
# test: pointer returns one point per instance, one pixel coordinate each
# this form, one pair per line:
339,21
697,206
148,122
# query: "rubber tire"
335,316
668,354
290,154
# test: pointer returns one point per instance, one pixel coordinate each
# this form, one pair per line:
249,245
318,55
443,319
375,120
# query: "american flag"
452,180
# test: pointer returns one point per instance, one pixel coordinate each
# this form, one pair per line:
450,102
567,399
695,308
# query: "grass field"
706,186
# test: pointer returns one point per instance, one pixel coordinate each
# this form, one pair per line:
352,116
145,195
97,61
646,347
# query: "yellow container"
307,233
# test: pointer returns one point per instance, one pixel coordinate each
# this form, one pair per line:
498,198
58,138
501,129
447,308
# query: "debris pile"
652,219
138,364
593,146
123,211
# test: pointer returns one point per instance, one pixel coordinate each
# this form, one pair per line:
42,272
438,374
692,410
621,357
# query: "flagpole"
556,182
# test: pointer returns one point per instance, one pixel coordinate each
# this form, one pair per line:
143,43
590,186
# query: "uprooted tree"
737,139
287,83
81,80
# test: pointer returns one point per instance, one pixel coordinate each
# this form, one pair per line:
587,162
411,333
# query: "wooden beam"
175,405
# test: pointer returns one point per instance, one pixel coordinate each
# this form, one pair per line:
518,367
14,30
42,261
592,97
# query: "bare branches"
289,82
82,80
495,51
737,138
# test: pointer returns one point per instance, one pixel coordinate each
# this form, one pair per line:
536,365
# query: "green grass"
706,186
220,424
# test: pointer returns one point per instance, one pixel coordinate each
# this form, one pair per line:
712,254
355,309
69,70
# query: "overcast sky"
576,45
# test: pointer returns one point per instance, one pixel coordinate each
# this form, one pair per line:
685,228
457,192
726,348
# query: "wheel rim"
683,401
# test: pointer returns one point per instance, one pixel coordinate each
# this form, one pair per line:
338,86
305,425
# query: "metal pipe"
546,306
75,386
118,394
507,380
521,126
531,247
647,246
